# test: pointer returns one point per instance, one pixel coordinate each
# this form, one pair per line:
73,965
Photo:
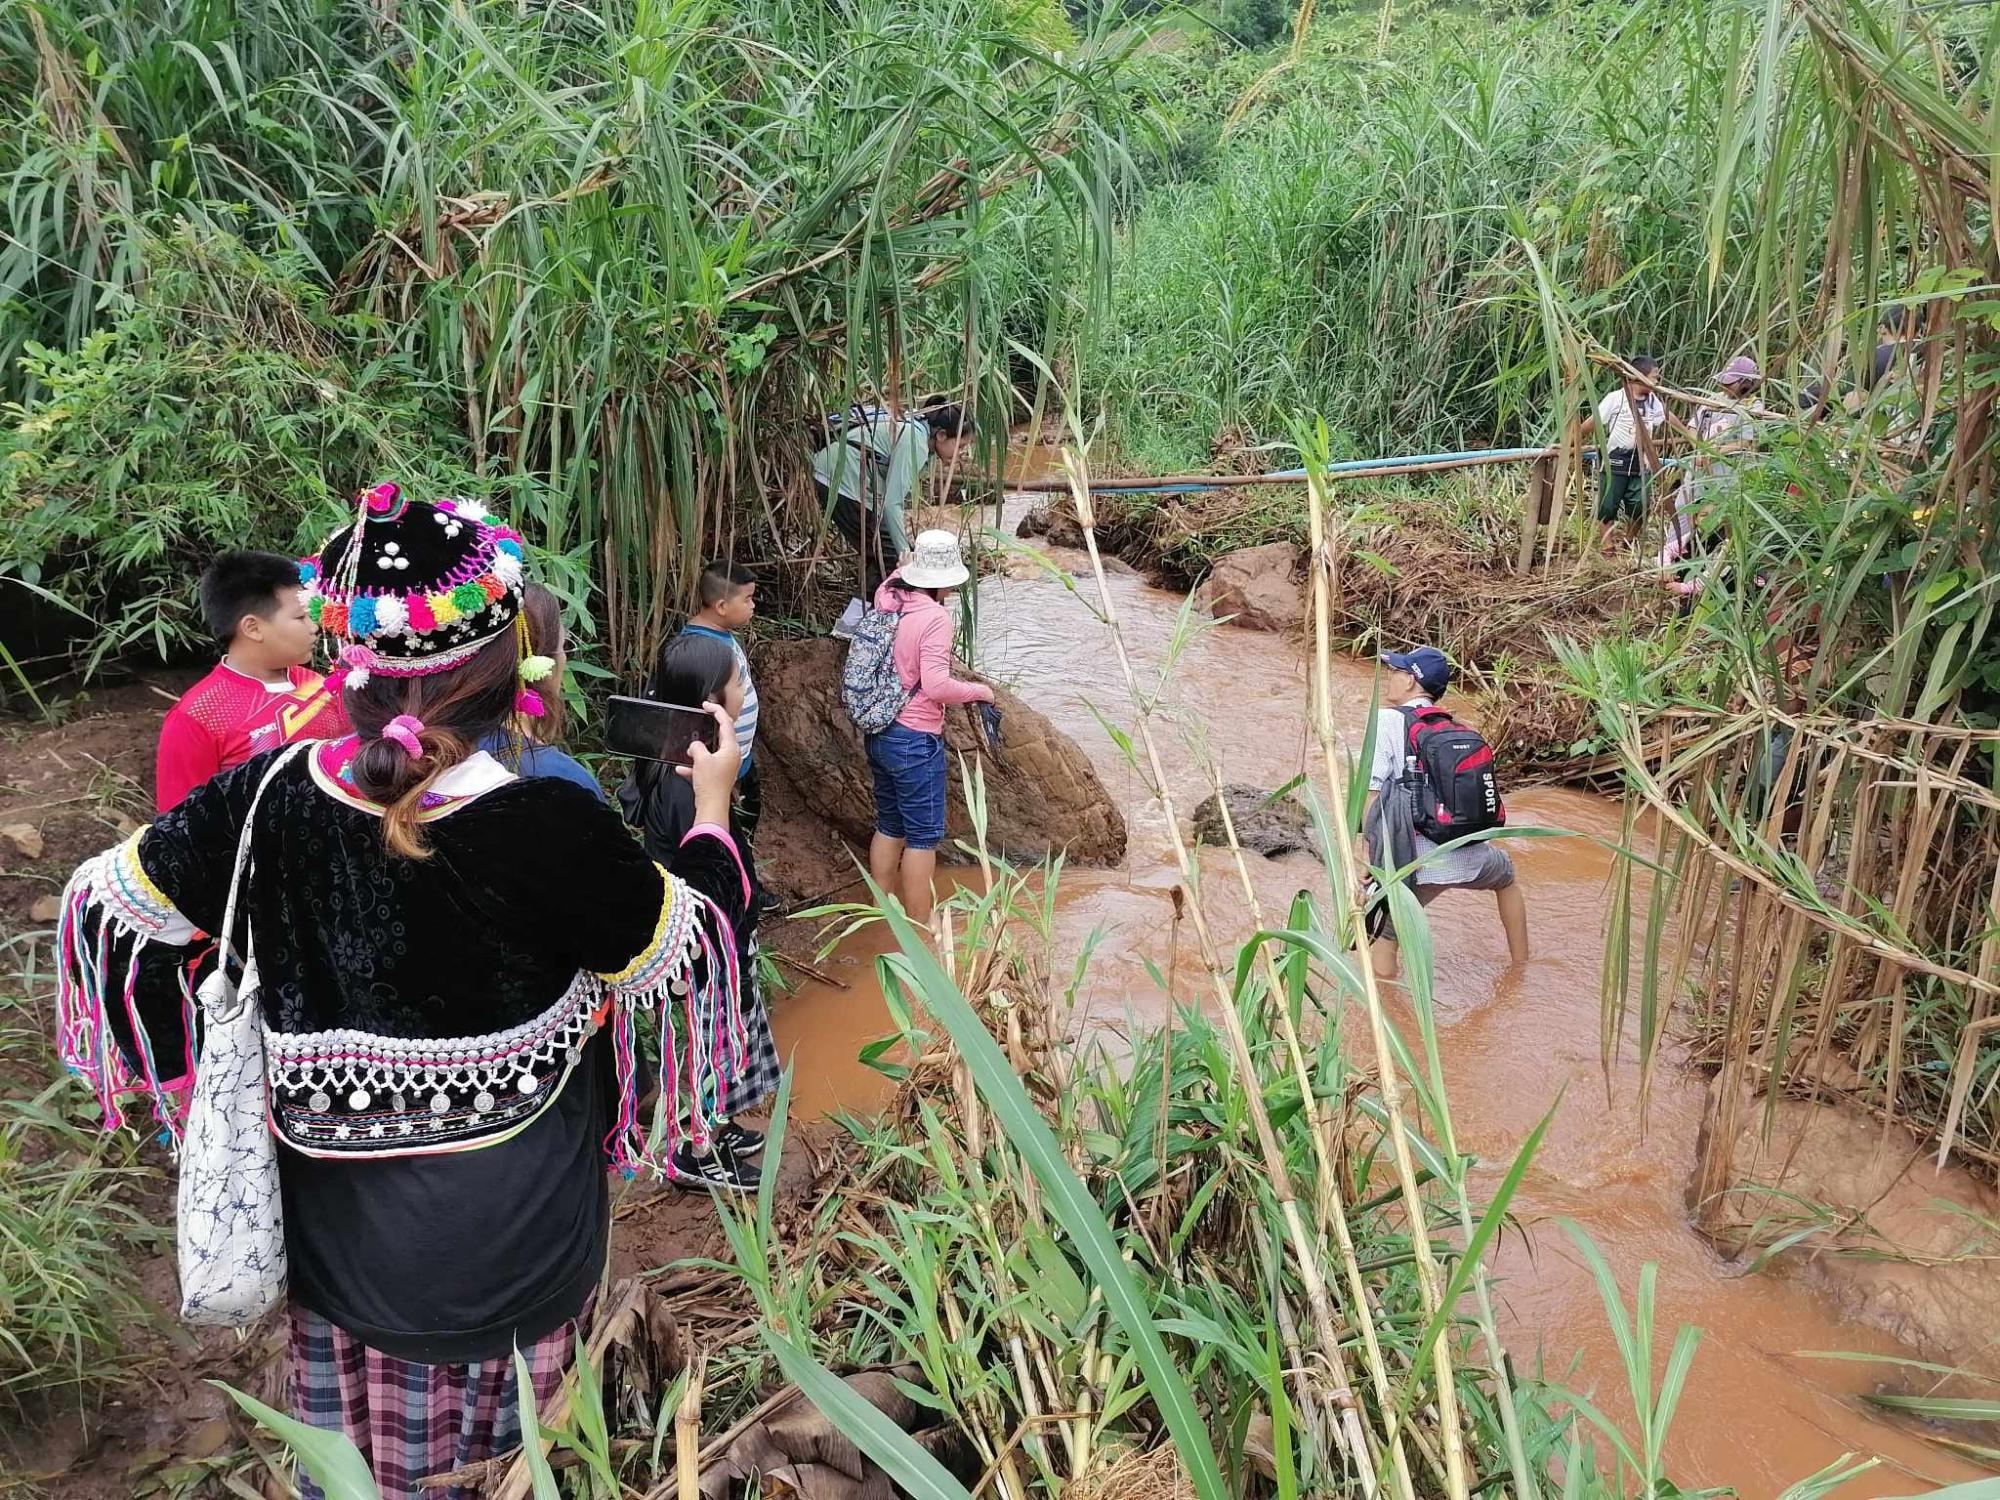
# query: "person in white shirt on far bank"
1628,416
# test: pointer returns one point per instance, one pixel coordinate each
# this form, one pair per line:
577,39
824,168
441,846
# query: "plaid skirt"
758,1078
412,1420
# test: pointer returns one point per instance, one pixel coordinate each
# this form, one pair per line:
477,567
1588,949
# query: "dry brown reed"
1309,1253
1831,904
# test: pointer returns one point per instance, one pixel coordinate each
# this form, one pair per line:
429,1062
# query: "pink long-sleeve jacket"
923,658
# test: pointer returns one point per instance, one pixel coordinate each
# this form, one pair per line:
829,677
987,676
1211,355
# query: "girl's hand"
713,772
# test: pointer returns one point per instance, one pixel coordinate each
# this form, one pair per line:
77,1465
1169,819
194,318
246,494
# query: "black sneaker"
738,1141
718,1171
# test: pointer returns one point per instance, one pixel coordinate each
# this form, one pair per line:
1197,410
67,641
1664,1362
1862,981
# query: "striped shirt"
746,722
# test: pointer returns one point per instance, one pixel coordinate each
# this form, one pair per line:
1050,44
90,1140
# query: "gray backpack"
871,689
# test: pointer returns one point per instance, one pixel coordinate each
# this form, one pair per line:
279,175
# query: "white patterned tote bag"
230,1219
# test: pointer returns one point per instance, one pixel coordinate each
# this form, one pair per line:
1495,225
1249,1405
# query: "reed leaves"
624,251
1067,1198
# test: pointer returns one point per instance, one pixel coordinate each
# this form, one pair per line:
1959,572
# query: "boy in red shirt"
261,693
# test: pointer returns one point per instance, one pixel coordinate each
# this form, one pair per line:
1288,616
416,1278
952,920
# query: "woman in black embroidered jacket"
451,957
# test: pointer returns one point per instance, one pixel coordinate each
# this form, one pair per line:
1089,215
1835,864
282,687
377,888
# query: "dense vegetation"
604,263
1421,236
608,259
1438,246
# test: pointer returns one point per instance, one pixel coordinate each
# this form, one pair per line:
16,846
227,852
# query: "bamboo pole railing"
1541,483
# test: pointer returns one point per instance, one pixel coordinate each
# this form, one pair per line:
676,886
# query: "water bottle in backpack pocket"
1454,789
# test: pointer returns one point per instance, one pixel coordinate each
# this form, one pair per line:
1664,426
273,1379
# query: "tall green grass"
73,1229
627,251
1423,241
1027,1156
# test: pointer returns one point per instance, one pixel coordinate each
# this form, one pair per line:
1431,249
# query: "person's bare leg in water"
885,856
1514,919
919,869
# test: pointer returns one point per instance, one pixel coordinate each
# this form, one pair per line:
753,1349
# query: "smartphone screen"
646,730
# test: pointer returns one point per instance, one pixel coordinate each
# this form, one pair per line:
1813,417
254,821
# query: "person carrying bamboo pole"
1723,432
1628,416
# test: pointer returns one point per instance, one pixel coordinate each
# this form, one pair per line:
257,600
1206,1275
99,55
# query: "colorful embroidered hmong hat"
412,588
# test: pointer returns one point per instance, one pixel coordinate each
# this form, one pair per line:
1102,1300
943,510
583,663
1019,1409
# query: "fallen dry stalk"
1305,1254
1456,1479
1331,1207
687,1431
1819,949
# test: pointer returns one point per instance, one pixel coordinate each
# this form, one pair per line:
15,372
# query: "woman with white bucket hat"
907,758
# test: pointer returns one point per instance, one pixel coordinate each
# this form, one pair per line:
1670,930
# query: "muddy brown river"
1755,1415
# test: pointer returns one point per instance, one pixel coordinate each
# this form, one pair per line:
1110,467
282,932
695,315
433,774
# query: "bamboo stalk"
1541,477
1326,1327
1329,1205
687,1432
1456,1479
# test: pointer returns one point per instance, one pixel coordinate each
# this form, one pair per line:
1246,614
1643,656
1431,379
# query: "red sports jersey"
227,717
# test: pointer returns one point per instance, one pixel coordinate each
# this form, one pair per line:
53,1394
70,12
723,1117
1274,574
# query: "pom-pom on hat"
414,588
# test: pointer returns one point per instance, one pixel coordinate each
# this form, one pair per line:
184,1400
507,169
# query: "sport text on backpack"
1454,791
871,689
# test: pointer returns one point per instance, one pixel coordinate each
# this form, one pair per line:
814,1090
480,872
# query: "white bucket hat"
936,563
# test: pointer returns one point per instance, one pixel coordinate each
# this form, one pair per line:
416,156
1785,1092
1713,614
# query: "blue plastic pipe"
1346,466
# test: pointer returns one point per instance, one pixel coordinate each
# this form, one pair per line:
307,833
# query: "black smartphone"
666,732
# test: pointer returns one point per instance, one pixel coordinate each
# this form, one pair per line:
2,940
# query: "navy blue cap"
1430,666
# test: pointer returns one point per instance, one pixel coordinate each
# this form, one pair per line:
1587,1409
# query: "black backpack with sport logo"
1453,790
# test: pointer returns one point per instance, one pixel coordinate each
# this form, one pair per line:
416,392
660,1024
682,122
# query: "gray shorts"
1471,867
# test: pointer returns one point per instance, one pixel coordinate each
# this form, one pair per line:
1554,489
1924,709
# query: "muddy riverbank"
1517,1043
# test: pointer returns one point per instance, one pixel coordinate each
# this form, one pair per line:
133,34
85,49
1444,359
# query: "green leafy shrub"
223,408
69,1231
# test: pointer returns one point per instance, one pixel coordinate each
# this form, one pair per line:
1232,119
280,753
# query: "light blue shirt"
875,463
524,757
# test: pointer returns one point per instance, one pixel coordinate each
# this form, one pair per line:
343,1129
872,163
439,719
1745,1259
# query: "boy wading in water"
1410,681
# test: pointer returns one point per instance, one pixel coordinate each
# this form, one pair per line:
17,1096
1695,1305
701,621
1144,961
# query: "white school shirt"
1614,415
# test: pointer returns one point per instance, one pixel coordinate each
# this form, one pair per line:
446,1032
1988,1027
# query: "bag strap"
1413,720
225,948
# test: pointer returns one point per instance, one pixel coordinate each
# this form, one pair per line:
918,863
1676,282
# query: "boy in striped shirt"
728,598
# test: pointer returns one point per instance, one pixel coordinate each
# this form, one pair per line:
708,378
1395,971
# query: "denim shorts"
909,785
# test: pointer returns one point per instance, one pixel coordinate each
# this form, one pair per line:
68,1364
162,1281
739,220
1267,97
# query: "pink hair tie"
404,729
